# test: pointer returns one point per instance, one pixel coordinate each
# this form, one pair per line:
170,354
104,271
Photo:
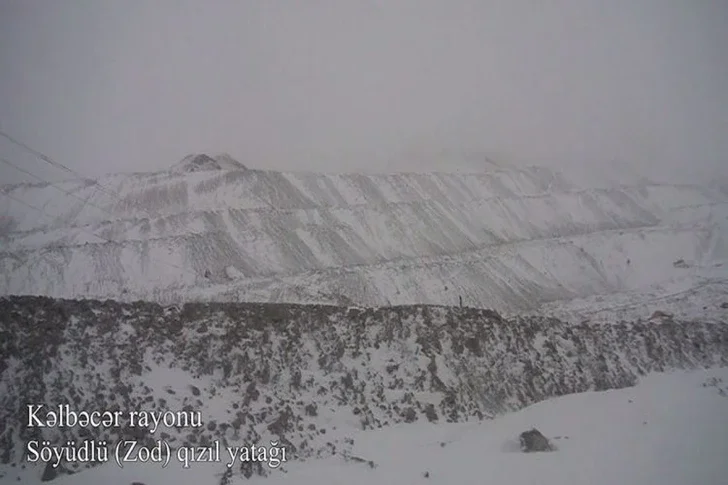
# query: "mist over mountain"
303,308
364,242
201,162
512,239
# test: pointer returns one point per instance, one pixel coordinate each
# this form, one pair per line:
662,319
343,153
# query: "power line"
99,186
70,194
29,205
38,154
80,228
47,215
59,165
86,230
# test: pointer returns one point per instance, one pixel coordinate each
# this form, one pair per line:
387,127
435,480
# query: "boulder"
533,440
660,315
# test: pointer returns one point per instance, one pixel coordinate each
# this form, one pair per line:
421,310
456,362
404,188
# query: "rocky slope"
509,239
306,375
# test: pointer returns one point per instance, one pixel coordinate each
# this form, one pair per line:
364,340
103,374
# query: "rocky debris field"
302,375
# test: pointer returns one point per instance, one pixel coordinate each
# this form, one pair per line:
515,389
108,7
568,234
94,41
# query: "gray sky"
132,85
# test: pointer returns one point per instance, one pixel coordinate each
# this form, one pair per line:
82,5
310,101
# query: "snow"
196,163
516,240
670,429
233,273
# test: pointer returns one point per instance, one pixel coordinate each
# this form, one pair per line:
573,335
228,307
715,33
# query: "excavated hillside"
510,239
306,375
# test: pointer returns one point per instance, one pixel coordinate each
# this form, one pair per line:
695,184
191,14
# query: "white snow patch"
670,429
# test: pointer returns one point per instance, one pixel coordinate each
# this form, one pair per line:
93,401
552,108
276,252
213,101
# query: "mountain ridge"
513,239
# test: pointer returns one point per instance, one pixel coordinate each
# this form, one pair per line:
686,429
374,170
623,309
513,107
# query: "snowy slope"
201,162
670,429
509,239
311,377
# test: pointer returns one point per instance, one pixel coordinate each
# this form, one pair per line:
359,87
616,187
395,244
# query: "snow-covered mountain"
310,378
172,254
201,162
513,239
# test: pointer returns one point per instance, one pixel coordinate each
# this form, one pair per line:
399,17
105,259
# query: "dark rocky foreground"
305,374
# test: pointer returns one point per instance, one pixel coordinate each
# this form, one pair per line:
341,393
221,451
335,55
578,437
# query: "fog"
108,86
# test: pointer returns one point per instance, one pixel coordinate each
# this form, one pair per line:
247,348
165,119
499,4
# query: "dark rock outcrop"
279,369
533,440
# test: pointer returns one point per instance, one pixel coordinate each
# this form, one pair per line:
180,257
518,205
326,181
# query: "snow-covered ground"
687,298
340,383
670,429
512,239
